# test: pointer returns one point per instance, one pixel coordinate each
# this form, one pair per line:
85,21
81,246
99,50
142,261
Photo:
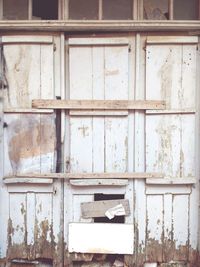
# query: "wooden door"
30,208
99,69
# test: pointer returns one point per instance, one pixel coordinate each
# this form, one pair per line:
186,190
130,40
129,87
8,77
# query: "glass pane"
45,9
117,9
186,9
156,9
83,9
15,9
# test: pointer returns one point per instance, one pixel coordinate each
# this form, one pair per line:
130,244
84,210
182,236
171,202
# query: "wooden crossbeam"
98,104
125,175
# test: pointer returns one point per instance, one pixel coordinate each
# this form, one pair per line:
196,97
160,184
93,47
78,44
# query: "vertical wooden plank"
163,144
81,140
23,85
98,122
46,71
31,225
187,154
154,228
180,226
139,157
43,227
30,11
57,67
171,9
77,200
163,74
189,74
17,226
168,247
100,9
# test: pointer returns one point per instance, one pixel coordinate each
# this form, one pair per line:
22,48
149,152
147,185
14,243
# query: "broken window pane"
15,9
156,9
117,9
83,9
45,9
186,9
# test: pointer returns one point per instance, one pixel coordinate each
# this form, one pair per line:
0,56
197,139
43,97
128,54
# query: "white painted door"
99,69
30,208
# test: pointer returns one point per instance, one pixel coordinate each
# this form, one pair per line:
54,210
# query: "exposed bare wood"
19,110
96,25
125,175
99,182
100,9
172,39
10,39
171,9
27,181
98,41
30,5
1,9
98,104
97,209
172,181
98,113
171,111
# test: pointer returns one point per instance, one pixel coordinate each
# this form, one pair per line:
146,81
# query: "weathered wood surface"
103,26
98,113
97,209
98,104
99,182
172,40
101,238
104,175
175,181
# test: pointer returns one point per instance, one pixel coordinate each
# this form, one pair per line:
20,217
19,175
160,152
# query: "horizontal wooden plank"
171,111
97,25
101,238
98,41
97,209
98,104
168,189
32,39
24,188
172,181
99,182
103,175
21,110
98,113
172,39
28,181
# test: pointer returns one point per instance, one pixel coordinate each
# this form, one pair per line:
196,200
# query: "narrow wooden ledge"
125,175
98,104
172,181
23,110
26,180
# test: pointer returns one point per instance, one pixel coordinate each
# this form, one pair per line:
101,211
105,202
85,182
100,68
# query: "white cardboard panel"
101,238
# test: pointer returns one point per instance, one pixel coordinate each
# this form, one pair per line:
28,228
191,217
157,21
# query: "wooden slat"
172,181
28,181
98,41
171,111
125,175
106,25
98,113
98,209
172,39
20,110
10,39
99,182
168,189
98,104
103,238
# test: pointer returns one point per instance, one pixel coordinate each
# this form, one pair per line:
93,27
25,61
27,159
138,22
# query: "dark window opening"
156,9
117,9
83,9
45,9
15,9
186,9
117,219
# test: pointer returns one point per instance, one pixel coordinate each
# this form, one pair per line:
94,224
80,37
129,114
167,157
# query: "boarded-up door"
30,208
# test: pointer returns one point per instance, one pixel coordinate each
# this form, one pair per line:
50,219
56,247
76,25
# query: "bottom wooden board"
101,238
